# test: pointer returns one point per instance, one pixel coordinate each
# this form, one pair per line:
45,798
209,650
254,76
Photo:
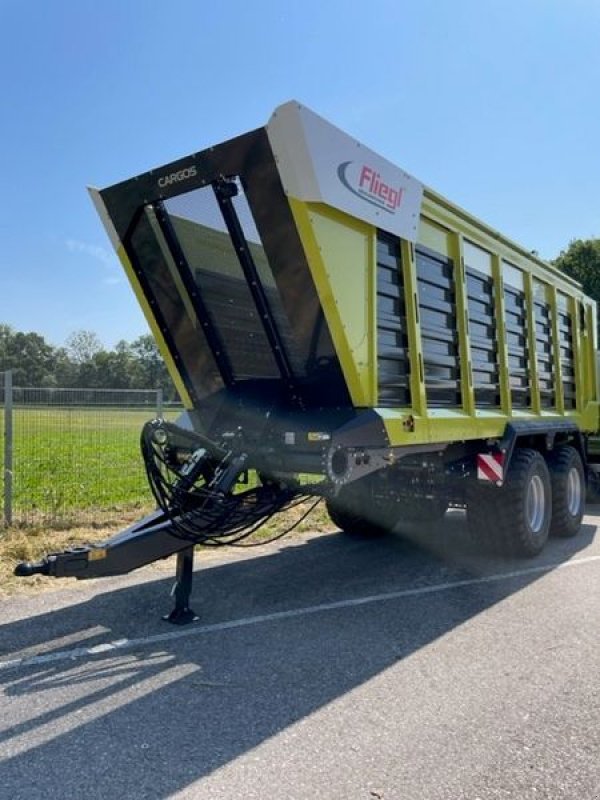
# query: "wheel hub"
536,504
574,492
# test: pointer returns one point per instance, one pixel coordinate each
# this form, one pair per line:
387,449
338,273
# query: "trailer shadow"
158,717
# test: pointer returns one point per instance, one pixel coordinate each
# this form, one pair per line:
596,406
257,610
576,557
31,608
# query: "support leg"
182,614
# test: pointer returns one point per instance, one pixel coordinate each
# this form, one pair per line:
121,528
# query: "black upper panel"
225,274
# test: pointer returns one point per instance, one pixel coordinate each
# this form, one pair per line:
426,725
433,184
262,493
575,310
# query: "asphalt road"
326,666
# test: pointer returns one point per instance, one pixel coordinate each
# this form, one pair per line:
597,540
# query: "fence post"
159,403
8,447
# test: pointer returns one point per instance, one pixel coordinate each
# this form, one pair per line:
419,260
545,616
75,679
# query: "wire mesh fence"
71,456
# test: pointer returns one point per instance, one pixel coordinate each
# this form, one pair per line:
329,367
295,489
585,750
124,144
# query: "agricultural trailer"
337,330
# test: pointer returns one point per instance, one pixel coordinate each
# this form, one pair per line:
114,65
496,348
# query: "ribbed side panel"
516,340
230,306
437,312
543,346
565,333
483,338
392,341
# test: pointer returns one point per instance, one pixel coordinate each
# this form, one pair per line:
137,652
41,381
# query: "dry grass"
33,543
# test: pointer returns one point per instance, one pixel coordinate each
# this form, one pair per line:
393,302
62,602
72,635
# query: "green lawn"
68,461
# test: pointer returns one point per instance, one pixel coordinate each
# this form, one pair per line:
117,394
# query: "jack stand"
182,614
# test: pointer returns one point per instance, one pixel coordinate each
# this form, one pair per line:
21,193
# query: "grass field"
67,462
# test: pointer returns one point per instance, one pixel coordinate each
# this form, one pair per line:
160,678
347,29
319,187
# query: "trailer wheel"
427,509
515,519
480,510
593,486
353,523
568,491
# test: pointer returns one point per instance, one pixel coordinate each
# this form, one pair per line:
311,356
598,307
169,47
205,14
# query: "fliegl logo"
366,183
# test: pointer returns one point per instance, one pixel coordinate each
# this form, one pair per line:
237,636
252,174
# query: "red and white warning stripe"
490,467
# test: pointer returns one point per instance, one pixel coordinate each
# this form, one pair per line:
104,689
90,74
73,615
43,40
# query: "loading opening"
217,300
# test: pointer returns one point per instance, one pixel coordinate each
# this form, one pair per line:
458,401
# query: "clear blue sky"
494,103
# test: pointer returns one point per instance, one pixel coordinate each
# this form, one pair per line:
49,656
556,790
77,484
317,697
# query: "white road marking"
120,645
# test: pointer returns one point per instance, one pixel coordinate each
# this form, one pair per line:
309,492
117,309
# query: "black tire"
352,523
515,519
361,509
426,509
568,491
481,502
593,487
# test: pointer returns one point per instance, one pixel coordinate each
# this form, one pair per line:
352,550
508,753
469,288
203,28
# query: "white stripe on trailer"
490,467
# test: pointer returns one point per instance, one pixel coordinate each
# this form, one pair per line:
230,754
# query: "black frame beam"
185,273
225,190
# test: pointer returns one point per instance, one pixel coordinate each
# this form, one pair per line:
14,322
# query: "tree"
29,355
114,369
6,336
581,260
65,371
82,346
152,370
84,363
